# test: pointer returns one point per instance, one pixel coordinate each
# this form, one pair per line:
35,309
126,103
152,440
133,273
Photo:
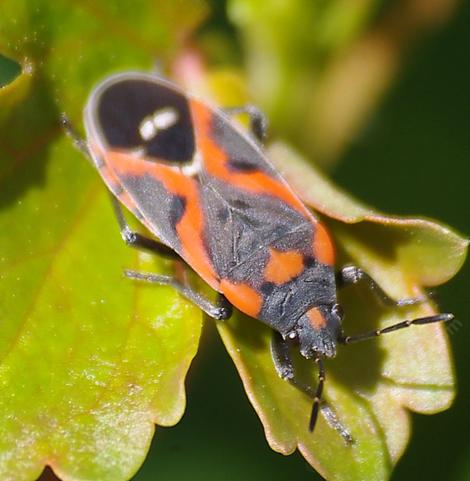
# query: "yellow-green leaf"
89,360
372,385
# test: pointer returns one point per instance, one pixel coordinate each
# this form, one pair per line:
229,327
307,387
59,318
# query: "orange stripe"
242,296
215,162
323,248
283,266
316,319
190,228
114,184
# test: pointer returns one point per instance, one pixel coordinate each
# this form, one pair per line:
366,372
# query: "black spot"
240,204
124,105
117,189
223,214
267,288
242,165
243,156
309,261
177,208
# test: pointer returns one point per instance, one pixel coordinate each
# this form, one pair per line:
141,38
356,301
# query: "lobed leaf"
371,386
89,361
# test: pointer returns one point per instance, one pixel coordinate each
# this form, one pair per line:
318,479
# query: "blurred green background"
411,157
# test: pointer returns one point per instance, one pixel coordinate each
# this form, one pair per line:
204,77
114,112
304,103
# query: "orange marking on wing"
323,248
316,319
215,161
111,180
283,266
115,185
190,228
242,296
96,149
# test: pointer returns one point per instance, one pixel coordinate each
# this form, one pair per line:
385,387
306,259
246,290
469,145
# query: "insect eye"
337,311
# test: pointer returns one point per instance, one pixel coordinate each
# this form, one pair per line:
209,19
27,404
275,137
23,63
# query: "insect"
210,196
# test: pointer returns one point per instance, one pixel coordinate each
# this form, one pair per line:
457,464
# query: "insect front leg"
220,311
78,142
280,352
258,120
130,237
353,275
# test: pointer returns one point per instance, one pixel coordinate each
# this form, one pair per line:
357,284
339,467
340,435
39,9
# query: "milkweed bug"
210,196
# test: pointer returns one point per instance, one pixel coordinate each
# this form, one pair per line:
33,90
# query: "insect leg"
221,311
282,360
443,317
258,121
353,275
318,393
280,352
136,240
78,142
131,238
332,419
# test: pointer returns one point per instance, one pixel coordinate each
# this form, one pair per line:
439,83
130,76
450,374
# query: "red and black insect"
205,189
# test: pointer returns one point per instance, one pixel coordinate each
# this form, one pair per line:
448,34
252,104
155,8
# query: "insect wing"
141,138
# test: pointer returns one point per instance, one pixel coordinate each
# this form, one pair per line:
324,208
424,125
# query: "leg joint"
128,236
222,313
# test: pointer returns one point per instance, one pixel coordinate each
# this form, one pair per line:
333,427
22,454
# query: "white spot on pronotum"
160,120
147,129
194,167
165,118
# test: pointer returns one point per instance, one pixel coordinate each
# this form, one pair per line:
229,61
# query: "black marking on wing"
241,165
123,106
177,208
242,226
239,243
159,207
243,155
267,288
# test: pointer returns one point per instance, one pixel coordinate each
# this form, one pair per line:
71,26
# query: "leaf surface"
89,361
371,385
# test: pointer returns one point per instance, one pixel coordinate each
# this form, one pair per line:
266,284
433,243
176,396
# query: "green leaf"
371,386
9,70
428,252
89,361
